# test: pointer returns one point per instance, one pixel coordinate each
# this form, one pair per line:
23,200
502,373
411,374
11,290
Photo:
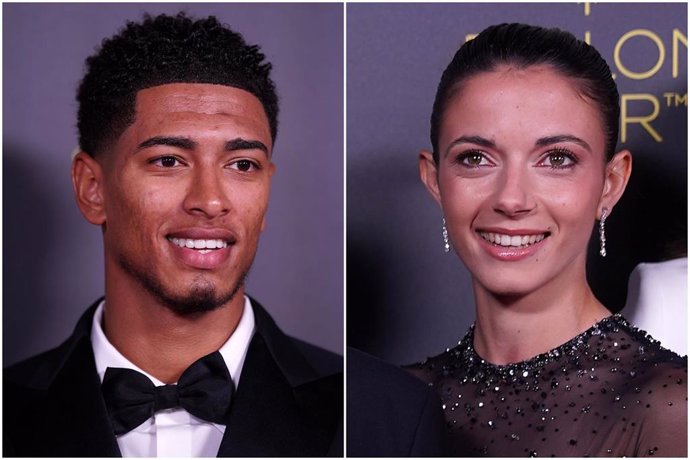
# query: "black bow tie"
204,390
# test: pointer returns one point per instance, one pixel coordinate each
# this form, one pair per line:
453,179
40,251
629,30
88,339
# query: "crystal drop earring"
444,232
602,232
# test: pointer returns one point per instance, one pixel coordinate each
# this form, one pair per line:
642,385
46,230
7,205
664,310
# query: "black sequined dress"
611,391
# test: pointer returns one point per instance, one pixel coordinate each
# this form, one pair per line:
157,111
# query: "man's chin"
201,297
199,301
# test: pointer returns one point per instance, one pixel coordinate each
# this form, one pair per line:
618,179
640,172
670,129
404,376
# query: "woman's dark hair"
160,50
523,46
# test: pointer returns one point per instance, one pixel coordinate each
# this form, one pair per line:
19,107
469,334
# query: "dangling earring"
444,232
602,232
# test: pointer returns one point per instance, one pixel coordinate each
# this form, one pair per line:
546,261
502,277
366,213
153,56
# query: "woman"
524,130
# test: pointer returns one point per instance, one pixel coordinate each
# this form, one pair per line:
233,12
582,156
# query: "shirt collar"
233,351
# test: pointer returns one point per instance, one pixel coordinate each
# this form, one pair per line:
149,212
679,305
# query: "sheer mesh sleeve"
611,391
664,429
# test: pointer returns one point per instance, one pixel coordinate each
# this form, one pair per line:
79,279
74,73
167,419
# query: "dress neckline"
481,370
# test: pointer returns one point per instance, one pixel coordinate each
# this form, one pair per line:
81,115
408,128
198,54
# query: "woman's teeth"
512,240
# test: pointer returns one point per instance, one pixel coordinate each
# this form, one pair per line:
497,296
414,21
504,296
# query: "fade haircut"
523,46
160,50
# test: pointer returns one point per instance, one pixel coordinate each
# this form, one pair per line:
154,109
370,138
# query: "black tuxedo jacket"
390,413
288,403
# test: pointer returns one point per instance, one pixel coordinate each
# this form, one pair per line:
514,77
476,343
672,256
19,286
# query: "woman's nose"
513,195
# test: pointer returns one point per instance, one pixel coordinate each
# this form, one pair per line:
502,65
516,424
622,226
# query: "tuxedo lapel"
59,410
282,407
288,402
77,407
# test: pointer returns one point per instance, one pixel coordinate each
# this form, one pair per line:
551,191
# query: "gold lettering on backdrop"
640,102
678,37
639,33
644,121
676,100
587,8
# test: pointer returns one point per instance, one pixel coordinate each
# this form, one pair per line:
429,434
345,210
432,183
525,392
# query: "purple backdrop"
406,298
52,258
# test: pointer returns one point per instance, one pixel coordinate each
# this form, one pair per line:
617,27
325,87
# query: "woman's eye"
558,159
243,165
473,159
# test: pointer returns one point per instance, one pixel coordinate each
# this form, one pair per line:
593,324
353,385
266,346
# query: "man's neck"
160,341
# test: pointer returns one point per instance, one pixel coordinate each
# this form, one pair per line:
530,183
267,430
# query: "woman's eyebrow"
478,140
549,140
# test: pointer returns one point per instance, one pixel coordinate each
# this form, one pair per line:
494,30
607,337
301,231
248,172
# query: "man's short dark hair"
160,50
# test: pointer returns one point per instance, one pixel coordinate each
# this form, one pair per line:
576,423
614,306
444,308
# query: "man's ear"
428,172
87,181
618,172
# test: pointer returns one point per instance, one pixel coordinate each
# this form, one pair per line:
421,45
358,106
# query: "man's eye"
166,162
244,165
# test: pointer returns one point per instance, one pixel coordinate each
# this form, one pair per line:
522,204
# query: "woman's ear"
617,175
87,181
428,172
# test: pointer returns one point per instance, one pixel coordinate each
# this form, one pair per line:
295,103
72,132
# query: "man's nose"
207,195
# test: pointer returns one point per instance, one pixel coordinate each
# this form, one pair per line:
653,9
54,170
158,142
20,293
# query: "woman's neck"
511,329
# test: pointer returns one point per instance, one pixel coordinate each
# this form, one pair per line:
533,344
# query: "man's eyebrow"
544,141
188,144
244,144
478,140
171,141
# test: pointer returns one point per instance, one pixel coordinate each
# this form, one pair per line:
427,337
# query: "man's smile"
202,248
204,245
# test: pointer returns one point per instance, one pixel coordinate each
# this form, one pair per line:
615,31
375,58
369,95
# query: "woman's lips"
512,247
519,240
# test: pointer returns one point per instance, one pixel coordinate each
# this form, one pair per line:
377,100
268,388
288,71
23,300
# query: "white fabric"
658,302
173,432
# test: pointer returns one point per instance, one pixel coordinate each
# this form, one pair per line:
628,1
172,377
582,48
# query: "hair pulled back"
522,46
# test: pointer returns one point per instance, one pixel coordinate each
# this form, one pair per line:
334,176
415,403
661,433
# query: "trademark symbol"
676,99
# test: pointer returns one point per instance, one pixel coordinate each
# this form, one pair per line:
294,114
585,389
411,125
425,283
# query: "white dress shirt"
173,432
658,302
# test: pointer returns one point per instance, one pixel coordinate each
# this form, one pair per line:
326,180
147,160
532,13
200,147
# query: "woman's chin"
508,291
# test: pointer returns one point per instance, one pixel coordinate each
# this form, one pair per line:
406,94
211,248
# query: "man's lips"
199,243
202,248
196,235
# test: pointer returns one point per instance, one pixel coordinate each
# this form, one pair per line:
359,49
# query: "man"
177,121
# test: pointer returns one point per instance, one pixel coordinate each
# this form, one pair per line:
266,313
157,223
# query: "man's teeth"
514,240
199,244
